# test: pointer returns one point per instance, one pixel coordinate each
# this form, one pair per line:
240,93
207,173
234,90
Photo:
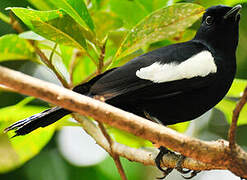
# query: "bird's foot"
159,160
179,168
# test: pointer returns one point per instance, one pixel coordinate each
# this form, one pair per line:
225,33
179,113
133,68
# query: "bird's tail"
42,119
52,115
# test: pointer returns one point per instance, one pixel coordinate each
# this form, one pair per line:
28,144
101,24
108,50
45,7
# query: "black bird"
169,85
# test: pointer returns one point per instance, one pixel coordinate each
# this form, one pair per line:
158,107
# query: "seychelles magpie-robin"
172,84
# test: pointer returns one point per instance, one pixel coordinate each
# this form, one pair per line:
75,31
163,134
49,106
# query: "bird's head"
219,27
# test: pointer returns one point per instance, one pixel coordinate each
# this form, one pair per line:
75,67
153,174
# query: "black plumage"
171,101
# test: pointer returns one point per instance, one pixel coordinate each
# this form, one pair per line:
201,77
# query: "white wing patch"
200,64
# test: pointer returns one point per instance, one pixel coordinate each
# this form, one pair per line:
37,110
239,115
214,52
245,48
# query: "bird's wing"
173,69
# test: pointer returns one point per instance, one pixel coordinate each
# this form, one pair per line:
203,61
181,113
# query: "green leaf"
16,151
157,4
227,106
130,11
161,24
13,47
127,138
111,23
180,127
84,68
237,88
77,10
66,55
42,4
54,25
234,2
210,3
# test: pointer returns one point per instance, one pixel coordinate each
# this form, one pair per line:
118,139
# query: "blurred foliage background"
81,39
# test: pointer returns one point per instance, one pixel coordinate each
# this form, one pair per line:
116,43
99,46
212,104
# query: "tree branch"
214,153
236,112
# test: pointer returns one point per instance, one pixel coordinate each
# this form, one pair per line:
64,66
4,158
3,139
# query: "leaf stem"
73,64
51,66
53,52
101,59
5,18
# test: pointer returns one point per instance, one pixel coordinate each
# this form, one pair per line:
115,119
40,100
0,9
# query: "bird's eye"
209,20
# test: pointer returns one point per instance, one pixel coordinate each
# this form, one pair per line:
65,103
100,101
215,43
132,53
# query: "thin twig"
51,66
101,59
113,155
235,115
145,156
73,64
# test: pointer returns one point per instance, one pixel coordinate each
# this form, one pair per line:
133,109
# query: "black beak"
233,12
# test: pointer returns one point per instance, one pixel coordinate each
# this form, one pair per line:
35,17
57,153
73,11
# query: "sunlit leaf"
210,3
54,25
180,127
84,68
227,106
237,88
31,36
16,151
77,10
127,138
161,24
102,29
130,11
157,4
13,47
66,55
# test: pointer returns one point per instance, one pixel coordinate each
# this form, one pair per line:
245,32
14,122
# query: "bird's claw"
192,174
179,165
159,160
182,171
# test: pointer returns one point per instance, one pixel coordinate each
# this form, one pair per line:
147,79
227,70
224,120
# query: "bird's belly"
183,107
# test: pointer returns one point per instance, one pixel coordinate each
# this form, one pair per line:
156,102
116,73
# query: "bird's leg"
159,159
181,170
164,151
